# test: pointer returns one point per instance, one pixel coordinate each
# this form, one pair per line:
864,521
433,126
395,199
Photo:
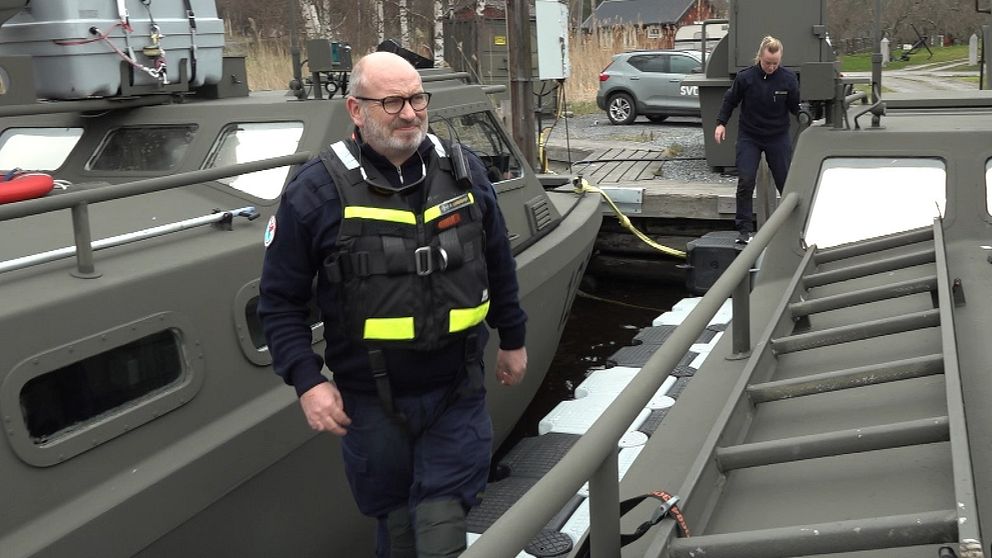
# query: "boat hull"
218,461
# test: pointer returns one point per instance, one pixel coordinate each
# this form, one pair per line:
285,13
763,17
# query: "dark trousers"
778,154
443,451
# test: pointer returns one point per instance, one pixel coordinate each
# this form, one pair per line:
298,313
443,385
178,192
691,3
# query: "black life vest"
407,279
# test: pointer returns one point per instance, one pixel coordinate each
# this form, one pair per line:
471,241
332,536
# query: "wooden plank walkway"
621,165
629,167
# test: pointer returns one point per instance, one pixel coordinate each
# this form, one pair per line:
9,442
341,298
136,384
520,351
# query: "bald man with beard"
410,260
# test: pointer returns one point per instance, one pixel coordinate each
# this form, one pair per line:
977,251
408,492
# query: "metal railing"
78,201
85,105
594,456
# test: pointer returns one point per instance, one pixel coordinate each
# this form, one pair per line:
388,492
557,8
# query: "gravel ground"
681,136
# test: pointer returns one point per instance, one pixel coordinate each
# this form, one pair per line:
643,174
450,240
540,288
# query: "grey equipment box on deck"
77,45
708,257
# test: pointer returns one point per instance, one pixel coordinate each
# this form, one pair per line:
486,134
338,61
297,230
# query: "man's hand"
324,409
511,366
720,133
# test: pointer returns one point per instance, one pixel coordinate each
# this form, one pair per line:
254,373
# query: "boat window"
40,149
988,186
481,133
863,198
72,396
247,142
143,149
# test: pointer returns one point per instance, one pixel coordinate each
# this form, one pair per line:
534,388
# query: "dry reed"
267,61
269,68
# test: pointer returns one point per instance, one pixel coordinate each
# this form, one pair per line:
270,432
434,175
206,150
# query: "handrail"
444,77
859,96
877,109
702,45
127,189
223,218
594,455
79,201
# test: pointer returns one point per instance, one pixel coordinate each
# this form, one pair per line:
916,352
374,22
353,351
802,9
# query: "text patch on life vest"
448,206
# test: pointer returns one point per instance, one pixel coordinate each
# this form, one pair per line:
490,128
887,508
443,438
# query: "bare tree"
311,19
380,24
404,24
441,9
850,19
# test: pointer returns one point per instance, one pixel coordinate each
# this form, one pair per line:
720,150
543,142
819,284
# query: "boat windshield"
859,198
252,141
481,133
41,149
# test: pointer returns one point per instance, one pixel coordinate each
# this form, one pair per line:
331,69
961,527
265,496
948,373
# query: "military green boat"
845,411
141,416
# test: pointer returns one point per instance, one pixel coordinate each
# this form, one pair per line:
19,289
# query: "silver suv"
649,83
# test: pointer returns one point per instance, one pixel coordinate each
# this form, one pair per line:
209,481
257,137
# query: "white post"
973,50
884,45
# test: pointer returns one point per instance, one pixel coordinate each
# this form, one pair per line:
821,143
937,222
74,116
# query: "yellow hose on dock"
584,186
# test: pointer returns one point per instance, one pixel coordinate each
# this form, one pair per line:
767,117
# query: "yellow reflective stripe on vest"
460,319
380,214
392,329
448,206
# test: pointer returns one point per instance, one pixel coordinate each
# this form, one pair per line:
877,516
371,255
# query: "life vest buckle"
424,262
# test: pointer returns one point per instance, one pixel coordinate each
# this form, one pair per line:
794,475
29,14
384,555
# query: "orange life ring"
25,186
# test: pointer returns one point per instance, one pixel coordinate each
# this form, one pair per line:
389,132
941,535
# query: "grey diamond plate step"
637,356
536,455
549,543
502,494
655,335
653,421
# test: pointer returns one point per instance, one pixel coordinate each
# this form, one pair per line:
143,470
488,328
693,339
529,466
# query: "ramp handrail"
594,455
78,201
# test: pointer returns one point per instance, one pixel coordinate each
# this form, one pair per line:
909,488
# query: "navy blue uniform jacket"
306,231
766,101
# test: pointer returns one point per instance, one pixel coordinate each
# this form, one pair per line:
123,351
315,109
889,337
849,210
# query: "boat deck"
820,419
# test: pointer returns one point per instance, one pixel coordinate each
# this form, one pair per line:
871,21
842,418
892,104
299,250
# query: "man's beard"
379,136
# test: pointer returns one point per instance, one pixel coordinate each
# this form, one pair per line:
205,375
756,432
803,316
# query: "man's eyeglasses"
394,103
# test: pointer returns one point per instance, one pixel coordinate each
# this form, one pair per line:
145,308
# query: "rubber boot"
440,526
401,541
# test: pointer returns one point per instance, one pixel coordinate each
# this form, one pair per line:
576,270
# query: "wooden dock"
672,212
634,178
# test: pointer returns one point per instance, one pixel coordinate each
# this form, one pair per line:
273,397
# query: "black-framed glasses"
388,187
393,104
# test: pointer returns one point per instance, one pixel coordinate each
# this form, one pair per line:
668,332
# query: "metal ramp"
846,433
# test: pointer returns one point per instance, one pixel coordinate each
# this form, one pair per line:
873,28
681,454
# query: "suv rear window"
683,64
657,63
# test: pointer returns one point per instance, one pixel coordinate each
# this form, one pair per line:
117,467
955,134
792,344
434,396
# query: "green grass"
862,62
